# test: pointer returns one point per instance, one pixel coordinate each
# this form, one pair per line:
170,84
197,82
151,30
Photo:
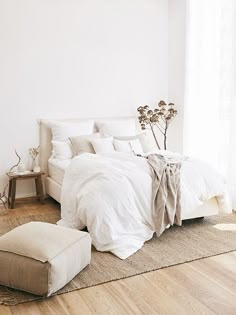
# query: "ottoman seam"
71,244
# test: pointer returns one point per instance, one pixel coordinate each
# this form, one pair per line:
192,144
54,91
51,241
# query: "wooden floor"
206,286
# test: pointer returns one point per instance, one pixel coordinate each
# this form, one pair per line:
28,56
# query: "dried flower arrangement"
160,117
33,152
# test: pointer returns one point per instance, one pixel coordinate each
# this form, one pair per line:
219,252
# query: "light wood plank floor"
206,286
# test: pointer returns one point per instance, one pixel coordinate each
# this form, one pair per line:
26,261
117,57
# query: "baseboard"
26,195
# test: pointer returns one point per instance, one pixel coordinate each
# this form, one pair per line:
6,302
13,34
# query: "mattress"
56,169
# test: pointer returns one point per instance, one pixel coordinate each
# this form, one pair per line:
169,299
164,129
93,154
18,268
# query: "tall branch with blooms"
160,117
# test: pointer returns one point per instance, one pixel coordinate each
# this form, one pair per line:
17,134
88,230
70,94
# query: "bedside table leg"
39,188
9,199
13,193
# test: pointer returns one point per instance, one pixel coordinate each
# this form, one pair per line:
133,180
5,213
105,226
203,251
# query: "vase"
36,169
33,164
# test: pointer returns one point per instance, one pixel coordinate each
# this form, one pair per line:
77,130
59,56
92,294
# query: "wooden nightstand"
13,177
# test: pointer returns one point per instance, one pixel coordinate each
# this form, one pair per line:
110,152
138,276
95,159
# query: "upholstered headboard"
45,136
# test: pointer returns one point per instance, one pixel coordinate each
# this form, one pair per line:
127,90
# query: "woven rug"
196,239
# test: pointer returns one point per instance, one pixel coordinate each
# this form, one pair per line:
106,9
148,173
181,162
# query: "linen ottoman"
41,258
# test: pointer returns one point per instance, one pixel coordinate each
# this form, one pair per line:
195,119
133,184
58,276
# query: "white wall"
83,58
176,68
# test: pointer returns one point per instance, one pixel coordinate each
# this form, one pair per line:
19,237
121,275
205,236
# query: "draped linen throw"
166,208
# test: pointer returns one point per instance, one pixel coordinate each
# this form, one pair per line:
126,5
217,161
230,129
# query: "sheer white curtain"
210,98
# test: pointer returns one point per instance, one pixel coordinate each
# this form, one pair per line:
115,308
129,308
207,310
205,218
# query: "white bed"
111,194
54,170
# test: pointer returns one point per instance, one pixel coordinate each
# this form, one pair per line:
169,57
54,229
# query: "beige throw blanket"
166,206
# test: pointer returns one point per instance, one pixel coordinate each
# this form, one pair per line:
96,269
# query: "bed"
55,172
55,169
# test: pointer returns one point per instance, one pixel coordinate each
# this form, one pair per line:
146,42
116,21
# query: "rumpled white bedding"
112,195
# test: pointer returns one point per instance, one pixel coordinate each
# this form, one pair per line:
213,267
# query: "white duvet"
111,196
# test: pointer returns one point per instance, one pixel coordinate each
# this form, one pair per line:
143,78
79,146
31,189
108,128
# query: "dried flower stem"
165,136
154,136
19,159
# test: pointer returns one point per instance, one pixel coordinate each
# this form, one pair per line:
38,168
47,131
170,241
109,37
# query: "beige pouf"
41,258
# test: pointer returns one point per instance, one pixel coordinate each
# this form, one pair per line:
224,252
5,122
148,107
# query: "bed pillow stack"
73,138
62,131
125,137
109,130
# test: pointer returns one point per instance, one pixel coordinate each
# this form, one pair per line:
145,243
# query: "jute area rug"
196,239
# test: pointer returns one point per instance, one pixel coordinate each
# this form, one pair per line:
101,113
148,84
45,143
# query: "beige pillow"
81,144
41,258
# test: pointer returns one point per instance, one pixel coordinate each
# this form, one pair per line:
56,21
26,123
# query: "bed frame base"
53,189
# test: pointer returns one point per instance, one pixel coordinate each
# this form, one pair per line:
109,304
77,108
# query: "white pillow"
62,150
131,146
81,144
122,146
145,140
117,128
103,145
61,131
